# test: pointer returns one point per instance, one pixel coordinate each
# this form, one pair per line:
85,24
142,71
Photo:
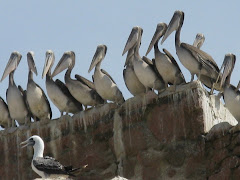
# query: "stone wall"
148,137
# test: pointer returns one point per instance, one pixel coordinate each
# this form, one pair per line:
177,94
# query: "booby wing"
85,81
105,72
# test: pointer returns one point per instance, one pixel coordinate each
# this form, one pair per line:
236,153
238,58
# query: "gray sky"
59,25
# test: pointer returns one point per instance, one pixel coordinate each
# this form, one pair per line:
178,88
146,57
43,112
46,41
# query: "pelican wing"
85,81
147,60
105,72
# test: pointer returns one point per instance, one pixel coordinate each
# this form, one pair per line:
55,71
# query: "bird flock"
140,75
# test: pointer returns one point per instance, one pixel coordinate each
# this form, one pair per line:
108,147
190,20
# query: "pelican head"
199,40
12,64
98,56
228,65
31,63
175,23
160,31
49,61
66,61
133,39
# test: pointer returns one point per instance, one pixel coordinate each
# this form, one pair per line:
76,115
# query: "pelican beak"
98,56
12,64
31,63
130,55
174,24
132,39
228,65
160,31
48,62
63,64
26,143
199,40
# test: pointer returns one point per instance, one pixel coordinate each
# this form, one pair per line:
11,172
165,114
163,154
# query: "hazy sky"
59,25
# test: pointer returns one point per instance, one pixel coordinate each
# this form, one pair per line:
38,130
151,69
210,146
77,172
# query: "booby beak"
132,39
174,24
48,62
160,31
28,142
228,65
98,56
12,64
64,63
199,40
31,63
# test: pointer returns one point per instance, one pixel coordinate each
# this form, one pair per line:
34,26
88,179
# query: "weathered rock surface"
149,137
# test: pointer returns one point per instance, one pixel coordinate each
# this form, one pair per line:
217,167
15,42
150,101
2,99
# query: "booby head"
175,23
199,40
31,63
133,39
37,143
98,56
228,65
49,61
160,31
67,61
12,64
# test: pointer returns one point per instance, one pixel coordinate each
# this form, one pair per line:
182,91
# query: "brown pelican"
103,82
195,60
16,103
5,119
36,98
57,91
165,62
81,90
206,80
145,73
231,94
132,82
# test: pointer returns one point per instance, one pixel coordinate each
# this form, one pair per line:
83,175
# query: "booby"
206,80
144,72
47,167
165,62
16,104
57,90
103,82
132,82
195,60
231,94
5,119
36,98
82,91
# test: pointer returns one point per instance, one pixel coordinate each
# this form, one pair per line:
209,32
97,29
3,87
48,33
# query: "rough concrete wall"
148,137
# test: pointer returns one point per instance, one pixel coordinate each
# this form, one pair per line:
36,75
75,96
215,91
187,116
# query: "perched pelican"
144,72
36,98
57,91
47,167
231,94
132,82
165,62
103,82
206,80
194,59
16,103
82,91
5,119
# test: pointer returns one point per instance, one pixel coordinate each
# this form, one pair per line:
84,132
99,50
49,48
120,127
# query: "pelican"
82,91
206,80
144,72
165,62
16,104
57,91
36,98
132,82
231,93
195,60
103,82
5,119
